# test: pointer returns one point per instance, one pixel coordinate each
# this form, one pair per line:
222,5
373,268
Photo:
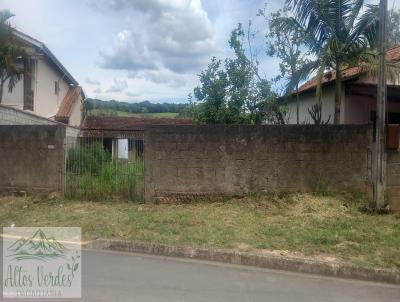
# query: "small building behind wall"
358,104
123,136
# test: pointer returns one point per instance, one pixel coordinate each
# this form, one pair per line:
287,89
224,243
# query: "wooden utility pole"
380,138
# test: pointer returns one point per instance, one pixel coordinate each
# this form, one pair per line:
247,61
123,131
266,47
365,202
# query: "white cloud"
162,76
91,81
175,35
127,53
132,94
157,46
118,86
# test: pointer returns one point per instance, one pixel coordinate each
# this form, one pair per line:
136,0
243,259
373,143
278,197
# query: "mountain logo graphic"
37,247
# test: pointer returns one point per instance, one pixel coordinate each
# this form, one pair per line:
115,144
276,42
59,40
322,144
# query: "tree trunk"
338,94
297,104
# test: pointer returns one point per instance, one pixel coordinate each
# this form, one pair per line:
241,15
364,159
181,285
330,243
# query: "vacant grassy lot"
299,224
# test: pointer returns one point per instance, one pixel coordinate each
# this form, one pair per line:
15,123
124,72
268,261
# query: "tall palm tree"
10,55
340,34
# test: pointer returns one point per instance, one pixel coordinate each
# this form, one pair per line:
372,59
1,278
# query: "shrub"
87,158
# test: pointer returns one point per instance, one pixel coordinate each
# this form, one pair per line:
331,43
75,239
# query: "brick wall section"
238,159
393,179
12,116
31,158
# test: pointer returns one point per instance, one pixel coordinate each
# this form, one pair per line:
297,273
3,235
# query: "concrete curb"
292,264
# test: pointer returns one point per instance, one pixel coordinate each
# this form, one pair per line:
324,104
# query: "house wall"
358,108
308,99
367,79
46,102
32,158
16,97
238,159
76,114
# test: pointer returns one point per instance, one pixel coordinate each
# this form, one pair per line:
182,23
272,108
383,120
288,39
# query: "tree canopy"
231,91
11,54
286,41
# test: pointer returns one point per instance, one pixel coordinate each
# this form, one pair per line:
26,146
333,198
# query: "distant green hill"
109,112
141,109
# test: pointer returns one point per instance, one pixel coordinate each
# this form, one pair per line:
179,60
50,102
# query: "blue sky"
134,50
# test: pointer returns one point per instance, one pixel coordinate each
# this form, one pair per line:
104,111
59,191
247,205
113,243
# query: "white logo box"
42,262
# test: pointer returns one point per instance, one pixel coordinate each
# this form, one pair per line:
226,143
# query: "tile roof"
65,108
392,55
128,123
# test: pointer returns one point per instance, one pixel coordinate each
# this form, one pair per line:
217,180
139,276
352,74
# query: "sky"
135,50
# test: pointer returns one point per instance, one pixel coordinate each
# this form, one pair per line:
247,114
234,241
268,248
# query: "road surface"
113,276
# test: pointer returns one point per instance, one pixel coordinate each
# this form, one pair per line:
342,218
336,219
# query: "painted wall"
16,97
372,80
307,100
76,115
358,109
46,101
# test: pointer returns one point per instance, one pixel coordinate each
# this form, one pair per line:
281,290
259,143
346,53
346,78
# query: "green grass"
105,112
92,174
113,178
299,224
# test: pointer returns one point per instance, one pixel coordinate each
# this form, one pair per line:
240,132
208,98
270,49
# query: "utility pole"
380,138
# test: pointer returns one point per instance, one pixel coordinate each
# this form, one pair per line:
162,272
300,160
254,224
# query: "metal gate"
99,166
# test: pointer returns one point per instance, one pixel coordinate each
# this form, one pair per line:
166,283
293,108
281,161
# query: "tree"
393,29
232,91
286,41
340,33
212,94
10,55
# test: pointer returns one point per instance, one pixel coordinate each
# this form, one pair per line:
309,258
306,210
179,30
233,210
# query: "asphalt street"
113,276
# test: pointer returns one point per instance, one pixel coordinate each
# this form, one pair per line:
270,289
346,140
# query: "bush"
87,158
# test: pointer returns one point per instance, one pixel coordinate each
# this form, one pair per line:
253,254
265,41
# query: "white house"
47,89
358,104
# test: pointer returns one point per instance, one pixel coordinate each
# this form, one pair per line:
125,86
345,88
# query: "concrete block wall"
31,158
12,116
238,159
393,179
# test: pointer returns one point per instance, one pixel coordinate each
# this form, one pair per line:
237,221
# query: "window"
56,87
